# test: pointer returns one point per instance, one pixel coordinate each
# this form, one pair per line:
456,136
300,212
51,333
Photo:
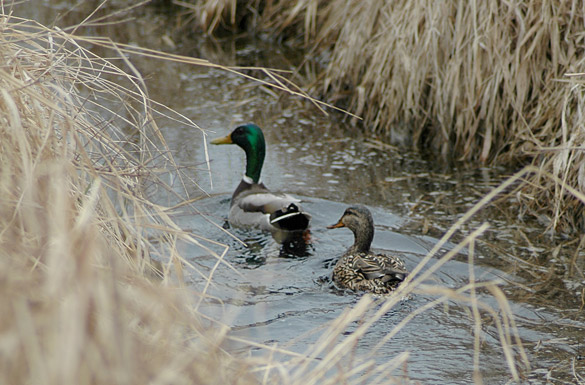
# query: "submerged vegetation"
490,81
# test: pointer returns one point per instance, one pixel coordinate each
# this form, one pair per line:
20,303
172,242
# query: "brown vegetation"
473,81
76,307
78,231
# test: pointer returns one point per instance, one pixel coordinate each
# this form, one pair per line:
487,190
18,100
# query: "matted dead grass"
83,299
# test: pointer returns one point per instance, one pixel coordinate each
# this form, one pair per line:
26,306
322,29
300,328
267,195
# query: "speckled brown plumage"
360,269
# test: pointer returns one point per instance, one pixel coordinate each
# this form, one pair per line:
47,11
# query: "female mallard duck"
253,205
359,268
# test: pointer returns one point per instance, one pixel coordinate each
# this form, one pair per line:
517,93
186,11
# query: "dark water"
273,296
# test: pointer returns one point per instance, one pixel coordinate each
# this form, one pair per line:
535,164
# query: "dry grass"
473,81
554,193
77,230
80,147
478,80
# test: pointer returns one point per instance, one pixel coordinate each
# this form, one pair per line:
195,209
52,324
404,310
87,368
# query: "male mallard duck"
253,205
359,268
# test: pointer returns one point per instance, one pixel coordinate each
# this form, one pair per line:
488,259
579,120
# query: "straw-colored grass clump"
75,305
477,80
473,81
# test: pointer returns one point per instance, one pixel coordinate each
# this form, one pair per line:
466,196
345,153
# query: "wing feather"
374,268
265,202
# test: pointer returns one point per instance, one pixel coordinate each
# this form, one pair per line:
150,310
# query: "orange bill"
337,225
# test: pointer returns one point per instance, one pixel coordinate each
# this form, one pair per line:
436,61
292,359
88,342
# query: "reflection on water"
276,295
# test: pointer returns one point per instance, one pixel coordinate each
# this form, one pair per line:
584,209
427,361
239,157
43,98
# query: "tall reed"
83,299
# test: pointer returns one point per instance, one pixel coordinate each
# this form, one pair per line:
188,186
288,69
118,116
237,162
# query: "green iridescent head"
251,139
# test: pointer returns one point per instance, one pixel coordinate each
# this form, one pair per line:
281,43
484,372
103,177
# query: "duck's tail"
290,218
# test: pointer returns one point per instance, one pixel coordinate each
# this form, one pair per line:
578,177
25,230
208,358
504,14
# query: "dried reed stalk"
79,149
555,191
479,79
78,231
79,145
